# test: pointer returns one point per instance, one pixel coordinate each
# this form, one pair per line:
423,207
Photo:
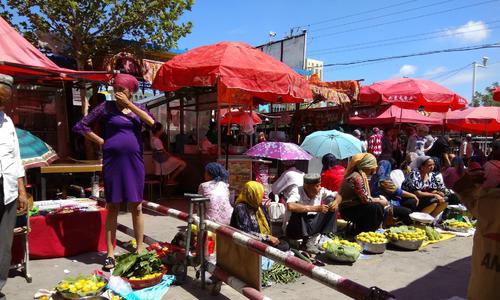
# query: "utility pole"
475,65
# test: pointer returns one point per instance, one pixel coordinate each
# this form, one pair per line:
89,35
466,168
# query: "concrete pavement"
439,271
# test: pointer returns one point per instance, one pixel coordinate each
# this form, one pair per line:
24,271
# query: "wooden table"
73,166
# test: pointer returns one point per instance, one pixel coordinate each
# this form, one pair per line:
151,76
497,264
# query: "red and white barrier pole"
337,282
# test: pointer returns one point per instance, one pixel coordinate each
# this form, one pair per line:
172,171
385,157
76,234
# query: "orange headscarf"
359,162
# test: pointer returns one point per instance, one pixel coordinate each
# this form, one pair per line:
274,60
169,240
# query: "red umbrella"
481,119
496,94
239,71
395,115
412,94
240,117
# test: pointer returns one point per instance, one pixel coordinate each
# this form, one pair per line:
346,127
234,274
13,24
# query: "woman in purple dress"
123,165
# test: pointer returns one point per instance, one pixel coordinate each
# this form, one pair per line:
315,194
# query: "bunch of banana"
432,234
371,238
457,224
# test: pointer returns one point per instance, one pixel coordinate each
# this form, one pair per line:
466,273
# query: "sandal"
109,263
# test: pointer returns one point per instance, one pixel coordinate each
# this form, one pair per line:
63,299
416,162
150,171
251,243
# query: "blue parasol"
34,151
340,144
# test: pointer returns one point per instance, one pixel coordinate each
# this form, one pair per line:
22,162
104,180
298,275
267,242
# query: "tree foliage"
485,98
90,28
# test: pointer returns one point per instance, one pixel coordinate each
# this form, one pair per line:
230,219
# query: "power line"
452,74
403,42
461,49
357,14
376,42
403,20
458,71
383,16
445,73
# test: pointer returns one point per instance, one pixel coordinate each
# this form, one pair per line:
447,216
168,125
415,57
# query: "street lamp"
474,66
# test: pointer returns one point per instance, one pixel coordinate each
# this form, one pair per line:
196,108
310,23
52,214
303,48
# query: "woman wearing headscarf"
358,206
426,185
332,173
215,188
122,147
249,216
402,202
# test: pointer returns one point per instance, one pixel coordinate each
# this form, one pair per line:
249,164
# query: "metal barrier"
222,275
330,279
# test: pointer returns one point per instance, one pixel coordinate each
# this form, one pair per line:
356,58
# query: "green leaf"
124,263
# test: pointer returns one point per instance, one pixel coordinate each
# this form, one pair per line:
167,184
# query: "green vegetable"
279,274
138,265
124,263
432,234
300,255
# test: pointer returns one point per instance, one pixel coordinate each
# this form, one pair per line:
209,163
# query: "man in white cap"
11,181
312,212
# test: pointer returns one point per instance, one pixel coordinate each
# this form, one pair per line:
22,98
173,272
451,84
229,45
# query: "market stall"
206,82
57,231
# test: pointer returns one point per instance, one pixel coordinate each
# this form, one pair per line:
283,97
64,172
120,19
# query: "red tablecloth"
62,235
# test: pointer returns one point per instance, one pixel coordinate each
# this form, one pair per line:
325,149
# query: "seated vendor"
401,203
166,165
312,212
425,184
248,215
358,206
288,180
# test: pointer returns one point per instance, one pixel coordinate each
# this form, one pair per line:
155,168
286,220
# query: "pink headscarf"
126,81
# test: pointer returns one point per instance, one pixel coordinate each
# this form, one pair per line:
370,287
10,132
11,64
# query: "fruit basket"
140,270
146,281
406,237
372,242
458,226
81,287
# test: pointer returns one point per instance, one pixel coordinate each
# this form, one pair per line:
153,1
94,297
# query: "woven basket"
141,284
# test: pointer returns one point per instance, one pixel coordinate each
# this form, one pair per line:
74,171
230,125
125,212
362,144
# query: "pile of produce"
341,250
432,234
371,238
134,266
82,286
279,273
456,225
405,233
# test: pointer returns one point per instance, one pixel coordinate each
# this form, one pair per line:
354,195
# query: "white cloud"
406,70
472,31
434,71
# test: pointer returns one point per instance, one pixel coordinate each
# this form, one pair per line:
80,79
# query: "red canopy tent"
412,94
240,72
480,120
396,115
19,58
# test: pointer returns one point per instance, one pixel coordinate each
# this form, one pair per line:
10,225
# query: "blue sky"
434,24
